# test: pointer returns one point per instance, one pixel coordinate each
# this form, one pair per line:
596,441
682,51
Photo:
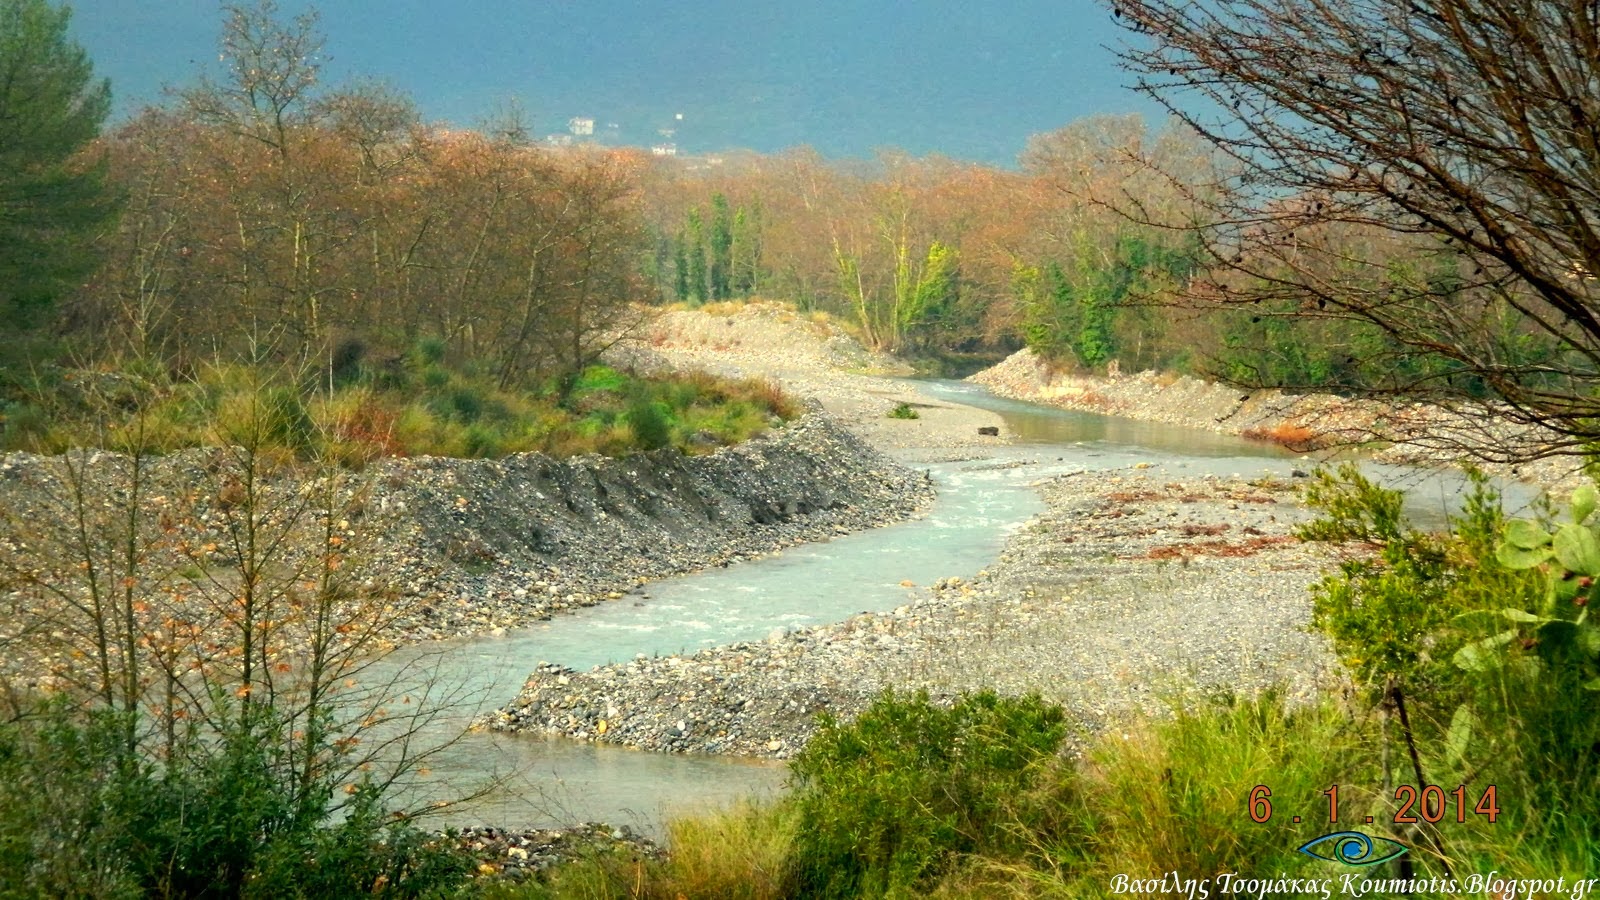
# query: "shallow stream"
980,501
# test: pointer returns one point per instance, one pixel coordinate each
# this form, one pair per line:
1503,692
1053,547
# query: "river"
540,782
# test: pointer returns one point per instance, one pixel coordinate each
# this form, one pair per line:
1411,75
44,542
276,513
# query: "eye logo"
1354,848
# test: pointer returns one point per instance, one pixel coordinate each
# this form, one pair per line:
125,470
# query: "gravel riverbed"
1135,587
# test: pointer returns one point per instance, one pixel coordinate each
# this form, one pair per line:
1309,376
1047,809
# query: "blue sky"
845,77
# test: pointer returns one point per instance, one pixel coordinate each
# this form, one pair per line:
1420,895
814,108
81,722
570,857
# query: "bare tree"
216,593
1430,167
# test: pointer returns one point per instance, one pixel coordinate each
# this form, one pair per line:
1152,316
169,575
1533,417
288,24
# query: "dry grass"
1295,437
1227,549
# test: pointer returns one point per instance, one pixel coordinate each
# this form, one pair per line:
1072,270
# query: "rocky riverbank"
515,856
468,546
1404,433
495,544
1134,587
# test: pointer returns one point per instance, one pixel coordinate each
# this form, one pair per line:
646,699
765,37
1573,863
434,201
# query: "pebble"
517,855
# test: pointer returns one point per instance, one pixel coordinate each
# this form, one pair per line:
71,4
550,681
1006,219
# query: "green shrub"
651,421
83,814
24,426
599,378
904,411
430,351
1483,633
63,809
1353,508
466,404
887,802
345,365
435,378
482,442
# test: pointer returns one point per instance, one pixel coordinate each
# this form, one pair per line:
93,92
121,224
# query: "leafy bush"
1398,615
887,802
651,421
83,813
904,411
1483,633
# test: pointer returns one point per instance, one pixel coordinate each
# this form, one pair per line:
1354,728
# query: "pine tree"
51,201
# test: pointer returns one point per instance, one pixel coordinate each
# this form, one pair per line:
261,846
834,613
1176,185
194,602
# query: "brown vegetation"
1230,549
1295,437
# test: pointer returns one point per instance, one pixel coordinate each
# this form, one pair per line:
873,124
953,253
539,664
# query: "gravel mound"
815,360
502,543
1129,591
467,546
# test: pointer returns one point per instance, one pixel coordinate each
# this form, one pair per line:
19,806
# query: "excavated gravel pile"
466,546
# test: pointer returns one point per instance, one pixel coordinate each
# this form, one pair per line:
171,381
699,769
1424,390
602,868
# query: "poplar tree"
721,270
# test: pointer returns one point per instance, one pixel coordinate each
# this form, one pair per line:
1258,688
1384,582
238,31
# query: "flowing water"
979,503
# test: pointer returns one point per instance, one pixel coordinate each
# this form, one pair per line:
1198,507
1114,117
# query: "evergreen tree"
695,238
51,201
721,274
680,270
746,250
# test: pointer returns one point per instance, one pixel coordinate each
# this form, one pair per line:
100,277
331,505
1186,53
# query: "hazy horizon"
970,84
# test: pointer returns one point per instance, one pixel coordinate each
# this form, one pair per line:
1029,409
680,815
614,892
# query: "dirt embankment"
815,359
1409,433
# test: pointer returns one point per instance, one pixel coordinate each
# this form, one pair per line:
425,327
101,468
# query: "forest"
262,216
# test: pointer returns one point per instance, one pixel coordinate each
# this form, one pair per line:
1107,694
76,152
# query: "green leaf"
1513,557
1592,685
1526,668
1525,534
1517,615
1564,590
1584,500
1462,724
1480,656
1588,638
1577,549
